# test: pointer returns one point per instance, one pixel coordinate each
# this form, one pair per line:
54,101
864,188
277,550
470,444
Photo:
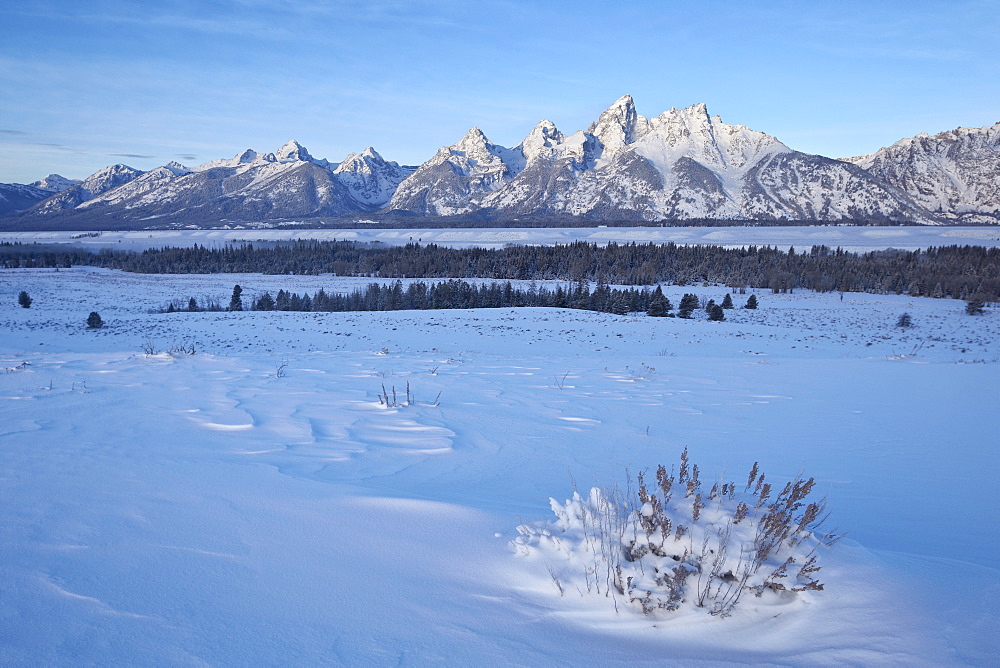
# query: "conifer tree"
264,303
688,304
236,301
24,300
659,305
974,306
94,320
752,302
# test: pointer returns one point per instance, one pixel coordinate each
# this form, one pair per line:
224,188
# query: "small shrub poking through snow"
670,544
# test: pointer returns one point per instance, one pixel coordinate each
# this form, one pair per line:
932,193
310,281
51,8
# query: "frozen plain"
857,239
175,509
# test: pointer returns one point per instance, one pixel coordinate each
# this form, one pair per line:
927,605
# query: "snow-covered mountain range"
681,164
248,186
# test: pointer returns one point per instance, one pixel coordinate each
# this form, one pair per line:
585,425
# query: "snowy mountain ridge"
954,174
682,164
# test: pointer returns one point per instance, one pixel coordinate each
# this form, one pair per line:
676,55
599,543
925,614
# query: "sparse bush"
24,300
675,544
394,401
181,349
94,320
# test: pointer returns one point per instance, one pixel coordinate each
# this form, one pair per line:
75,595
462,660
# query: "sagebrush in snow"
672,544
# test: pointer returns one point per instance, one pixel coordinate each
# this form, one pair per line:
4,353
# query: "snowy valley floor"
254,504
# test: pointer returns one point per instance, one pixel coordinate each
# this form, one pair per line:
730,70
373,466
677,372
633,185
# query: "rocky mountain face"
955,174
682,164
371,179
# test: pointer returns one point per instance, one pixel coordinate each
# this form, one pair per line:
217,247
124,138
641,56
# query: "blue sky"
87,84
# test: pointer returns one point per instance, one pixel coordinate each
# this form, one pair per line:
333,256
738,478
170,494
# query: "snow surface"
849,237
174,509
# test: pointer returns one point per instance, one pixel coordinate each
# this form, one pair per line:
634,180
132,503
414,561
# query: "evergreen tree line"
458,294
959,272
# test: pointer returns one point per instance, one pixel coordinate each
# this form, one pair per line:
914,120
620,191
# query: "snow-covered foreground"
857,239
254,504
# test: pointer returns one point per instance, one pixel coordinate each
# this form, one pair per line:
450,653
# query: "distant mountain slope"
18,197
954,174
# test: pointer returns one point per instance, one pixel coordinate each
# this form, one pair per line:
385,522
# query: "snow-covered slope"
955,174
254,504
681,164
18,197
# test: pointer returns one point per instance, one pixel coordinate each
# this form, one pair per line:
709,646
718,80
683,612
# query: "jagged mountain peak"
55,183
621,108
619,125
293,151
116,168
366,161
474,140
370,178
694,115
177,168
543,136
693,133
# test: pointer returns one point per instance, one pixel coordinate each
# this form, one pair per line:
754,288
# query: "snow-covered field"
852,238
254,504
